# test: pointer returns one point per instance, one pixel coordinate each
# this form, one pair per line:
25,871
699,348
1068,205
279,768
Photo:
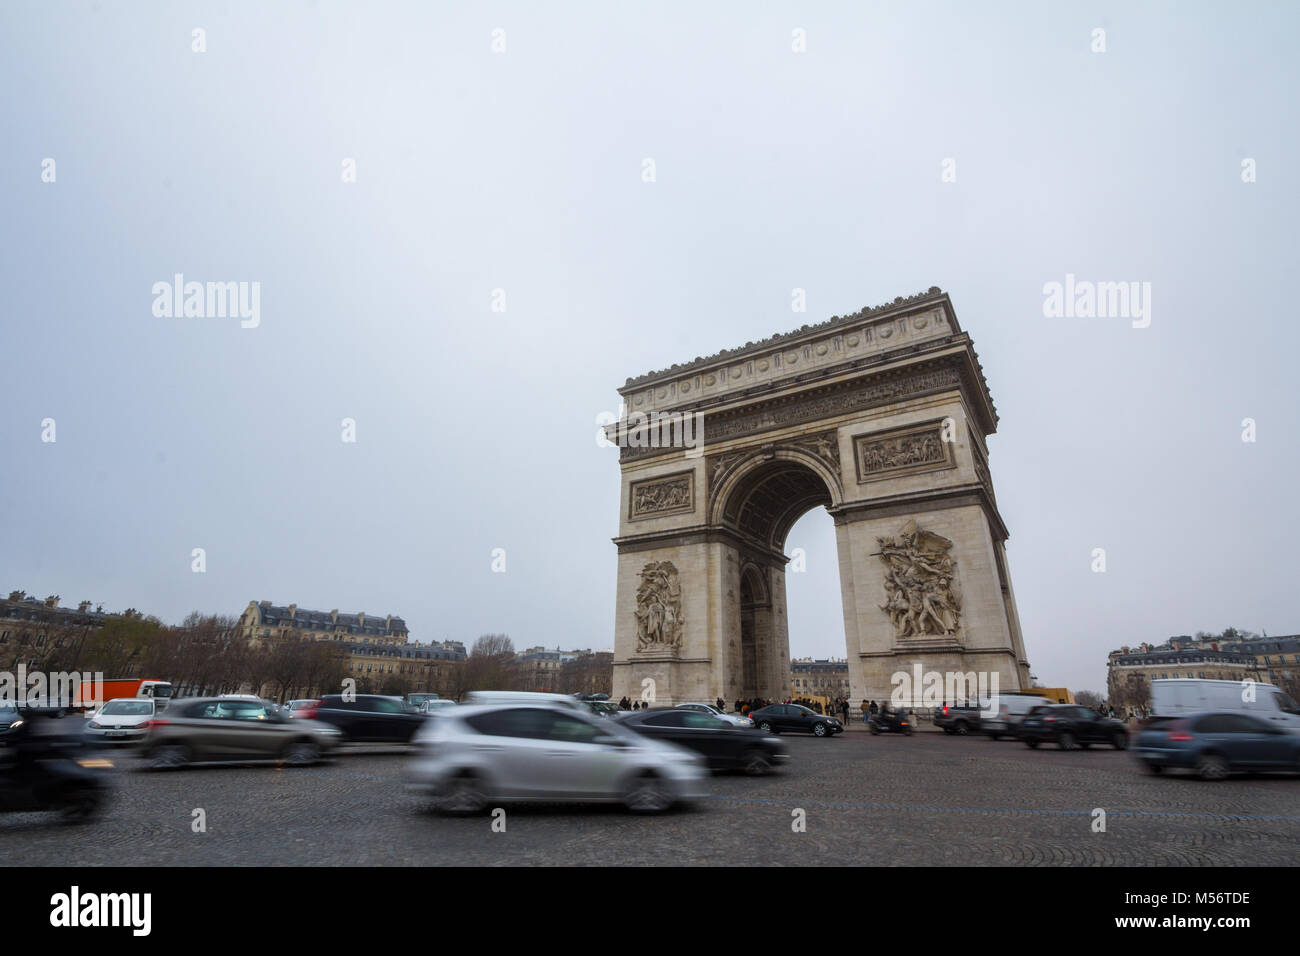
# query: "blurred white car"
736,720
476,756
526,697
121,721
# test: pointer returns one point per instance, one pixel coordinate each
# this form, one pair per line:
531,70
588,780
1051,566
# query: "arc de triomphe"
881,418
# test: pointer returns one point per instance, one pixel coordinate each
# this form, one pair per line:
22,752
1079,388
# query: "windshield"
129,708
162,690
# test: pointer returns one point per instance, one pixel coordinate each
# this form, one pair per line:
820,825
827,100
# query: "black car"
1070,726
370,718
795,718
725,746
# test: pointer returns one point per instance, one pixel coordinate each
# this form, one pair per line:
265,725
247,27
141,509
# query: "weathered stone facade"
881,418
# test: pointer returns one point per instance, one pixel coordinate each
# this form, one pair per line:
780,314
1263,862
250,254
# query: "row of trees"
205,654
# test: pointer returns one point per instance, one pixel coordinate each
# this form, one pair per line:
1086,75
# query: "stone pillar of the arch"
774,651
988,641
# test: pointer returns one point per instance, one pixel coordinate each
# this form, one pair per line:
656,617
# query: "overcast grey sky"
522,171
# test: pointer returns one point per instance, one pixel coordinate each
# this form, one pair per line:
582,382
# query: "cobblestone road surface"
929,799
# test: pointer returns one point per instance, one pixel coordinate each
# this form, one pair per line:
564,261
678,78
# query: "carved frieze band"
824,446
671,494
827,405
902,451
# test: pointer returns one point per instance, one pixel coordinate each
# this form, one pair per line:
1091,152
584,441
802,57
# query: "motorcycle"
893,722
46,765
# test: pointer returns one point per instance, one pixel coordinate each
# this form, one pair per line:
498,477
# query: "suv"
959,719
370,718
1011,710
1070,726
795,717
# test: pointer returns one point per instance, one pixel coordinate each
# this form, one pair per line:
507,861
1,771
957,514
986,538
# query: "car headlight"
94,725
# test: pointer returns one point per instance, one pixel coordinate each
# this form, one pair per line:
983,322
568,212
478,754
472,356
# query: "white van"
1011,710
526,697
1188,695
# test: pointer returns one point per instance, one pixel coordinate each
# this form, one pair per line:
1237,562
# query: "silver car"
121,721
475,756
223,729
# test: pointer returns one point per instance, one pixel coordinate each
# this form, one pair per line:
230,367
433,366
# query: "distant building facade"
32,630
819,678
1130,670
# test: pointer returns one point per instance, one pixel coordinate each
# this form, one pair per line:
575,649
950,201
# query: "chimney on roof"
293,610
334,616
52,601
83,607
361,618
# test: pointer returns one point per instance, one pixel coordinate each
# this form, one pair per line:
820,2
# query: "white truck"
1186,695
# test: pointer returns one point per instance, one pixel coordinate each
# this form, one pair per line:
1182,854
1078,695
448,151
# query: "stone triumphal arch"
880,417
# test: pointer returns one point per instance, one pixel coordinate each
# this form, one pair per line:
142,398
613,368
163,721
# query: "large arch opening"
761,500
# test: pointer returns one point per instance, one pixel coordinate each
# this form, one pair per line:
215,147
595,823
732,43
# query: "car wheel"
1119,741
1031,743
301,753
1084,745
1066,741
463,796
819,730
961,729
757,763
1211,767
766,727
168,757
648,794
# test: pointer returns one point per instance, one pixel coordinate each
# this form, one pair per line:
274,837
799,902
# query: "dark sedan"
1216,744
1070,726
724,746
369,718
795,718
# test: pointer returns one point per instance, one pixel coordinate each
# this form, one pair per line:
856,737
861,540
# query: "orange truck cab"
92,694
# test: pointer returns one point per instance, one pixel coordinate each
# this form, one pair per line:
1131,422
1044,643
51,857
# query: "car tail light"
945,710
1049,720
151,724
308,710
1178,732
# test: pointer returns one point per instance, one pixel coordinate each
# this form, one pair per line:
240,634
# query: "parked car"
1070,726
723,745
1185,696
207,729
1216,744
1011,711
959,719
121,721
795,718
477,756
370,718
734,719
